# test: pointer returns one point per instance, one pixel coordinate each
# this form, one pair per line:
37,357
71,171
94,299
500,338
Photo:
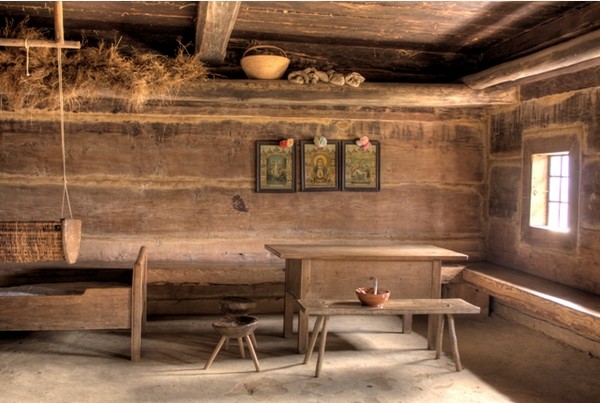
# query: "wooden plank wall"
564,104
182,183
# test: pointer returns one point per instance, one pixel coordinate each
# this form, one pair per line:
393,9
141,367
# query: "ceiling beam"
582,50
214,24
283,92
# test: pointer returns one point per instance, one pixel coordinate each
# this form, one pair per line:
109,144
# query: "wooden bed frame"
80,305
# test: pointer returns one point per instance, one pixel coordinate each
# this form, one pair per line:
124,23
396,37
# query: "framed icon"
320,166
361,167
275,167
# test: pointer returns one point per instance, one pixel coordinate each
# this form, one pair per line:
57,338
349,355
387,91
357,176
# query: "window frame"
541,236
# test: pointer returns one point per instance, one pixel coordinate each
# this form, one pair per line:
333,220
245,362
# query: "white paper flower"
320,141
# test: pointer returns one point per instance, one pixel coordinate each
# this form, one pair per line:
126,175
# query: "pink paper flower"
363,142
286,143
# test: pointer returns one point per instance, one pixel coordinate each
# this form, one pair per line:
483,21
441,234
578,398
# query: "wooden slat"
391,307
39,43
214,23
97,308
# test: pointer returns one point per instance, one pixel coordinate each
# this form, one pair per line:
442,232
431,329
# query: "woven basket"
264,67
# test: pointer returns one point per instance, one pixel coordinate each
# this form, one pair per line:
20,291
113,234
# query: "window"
550,190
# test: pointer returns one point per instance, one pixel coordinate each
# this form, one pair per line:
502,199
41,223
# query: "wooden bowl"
235,326
237,305
366,296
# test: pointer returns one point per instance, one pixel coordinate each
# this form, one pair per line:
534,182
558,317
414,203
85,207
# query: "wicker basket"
264,67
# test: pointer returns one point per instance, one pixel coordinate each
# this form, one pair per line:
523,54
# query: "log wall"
182,182
552,107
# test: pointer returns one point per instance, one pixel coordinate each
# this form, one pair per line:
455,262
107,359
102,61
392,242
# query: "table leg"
289,303
440,337
407,323
322,346
436,293
302,332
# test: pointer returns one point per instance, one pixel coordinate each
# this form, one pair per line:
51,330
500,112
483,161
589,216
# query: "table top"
406,252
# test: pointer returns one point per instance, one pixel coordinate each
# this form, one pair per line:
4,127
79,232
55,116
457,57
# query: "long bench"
564,306
323,309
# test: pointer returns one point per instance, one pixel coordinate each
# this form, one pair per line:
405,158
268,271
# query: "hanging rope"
62,137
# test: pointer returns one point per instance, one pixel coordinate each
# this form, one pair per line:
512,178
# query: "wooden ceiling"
399,42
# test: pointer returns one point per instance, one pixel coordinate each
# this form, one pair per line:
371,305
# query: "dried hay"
89,73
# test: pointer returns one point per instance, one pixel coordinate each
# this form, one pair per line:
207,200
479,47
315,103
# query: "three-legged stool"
240,327
237,306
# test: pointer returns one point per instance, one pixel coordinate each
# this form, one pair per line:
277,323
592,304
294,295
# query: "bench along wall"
181,181
565,105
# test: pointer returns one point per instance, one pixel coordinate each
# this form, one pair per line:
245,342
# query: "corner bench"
325,308
564,306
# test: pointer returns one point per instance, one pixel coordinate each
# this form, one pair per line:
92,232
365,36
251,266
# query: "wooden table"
315,271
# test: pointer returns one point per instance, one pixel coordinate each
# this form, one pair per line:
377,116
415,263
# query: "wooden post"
59,32
214,23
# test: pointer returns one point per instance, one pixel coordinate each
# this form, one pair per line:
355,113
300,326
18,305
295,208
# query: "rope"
62,137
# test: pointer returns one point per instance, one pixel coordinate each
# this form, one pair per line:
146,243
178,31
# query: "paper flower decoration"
363,142
286,143
320,141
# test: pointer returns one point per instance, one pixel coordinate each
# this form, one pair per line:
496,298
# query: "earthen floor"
366,361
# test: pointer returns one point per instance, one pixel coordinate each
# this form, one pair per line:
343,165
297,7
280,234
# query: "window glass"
550,191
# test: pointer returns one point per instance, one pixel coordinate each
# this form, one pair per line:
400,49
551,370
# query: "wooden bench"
80,305
571,309
323,309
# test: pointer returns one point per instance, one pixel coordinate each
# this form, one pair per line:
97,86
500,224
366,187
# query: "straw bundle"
88,73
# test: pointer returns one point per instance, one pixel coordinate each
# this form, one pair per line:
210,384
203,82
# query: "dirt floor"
366,361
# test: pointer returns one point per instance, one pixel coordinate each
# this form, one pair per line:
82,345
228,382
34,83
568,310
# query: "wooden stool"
237,306
240,327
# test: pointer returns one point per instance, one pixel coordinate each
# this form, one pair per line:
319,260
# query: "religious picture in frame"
275,167
320,166
361,166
